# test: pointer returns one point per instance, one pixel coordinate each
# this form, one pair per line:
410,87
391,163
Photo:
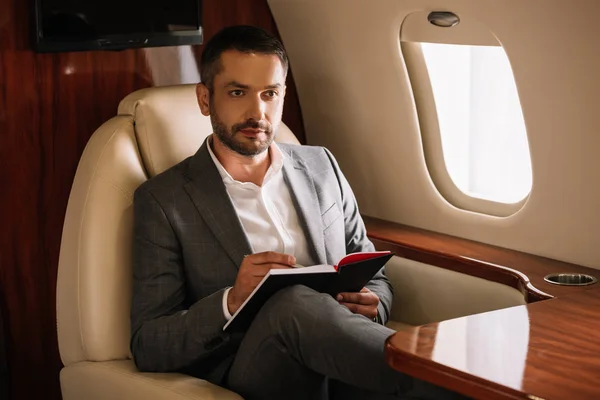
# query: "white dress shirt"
267,212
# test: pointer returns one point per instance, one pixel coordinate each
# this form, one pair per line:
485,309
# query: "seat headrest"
169,125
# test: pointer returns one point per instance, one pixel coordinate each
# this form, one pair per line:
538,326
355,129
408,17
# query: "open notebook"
350,274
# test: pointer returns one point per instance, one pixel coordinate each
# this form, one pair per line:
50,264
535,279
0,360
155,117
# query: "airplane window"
483,136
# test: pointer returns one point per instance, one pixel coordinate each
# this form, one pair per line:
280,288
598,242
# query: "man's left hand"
365,302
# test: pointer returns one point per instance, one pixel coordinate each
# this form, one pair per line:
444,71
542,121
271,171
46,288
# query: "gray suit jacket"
189,243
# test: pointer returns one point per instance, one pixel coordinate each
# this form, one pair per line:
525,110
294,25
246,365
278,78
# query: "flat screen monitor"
78,25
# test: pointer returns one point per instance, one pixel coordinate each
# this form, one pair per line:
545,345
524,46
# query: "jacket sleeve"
166,333
357,241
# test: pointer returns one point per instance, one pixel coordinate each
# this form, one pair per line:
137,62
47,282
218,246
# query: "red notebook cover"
356,257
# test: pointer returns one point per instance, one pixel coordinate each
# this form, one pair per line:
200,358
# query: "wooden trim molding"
522,271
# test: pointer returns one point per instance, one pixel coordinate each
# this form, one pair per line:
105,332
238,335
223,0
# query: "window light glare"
484,141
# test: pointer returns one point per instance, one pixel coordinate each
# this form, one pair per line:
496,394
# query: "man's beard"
242,145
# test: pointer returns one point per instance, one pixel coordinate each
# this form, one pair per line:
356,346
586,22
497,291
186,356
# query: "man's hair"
243,38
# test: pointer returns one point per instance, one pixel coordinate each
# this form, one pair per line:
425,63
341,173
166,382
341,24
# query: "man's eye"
236,93
271,94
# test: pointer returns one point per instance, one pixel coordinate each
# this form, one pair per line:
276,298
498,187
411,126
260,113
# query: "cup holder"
570,279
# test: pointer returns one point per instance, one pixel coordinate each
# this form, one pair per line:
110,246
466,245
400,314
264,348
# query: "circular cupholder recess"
570,279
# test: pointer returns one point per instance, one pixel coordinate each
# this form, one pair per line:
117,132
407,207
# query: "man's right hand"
253,269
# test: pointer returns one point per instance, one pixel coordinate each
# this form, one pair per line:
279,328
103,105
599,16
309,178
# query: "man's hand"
365,302
252,270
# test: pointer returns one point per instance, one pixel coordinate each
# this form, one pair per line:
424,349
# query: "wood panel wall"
50,104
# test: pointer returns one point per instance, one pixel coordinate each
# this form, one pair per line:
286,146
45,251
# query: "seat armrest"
121,380
425,293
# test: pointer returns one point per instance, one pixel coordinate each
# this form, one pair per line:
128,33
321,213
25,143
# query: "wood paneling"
522,271
546,350
50,104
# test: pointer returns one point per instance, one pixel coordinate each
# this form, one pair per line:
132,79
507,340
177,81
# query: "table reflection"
492,346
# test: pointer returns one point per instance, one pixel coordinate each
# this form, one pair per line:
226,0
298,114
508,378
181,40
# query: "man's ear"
203,96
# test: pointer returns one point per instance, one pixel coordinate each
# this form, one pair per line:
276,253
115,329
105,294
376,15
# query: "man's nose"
256,109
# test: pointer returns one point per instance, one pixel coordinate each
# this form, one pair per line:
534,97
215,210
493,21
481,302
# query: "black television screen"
75,25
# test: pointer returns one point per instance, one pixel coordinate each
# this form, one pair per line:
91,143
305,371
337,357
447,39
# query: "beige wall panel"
356,100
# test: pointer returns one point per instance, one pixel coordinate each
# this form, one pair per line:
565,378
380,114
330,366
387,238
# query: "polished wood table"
547,350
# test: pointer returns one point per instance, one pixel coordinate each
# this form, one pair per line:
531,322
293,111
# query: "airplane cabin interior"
467,130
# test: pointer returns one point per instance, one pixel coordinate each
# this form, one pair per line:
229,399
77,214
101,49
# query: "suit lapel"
304,195
208,193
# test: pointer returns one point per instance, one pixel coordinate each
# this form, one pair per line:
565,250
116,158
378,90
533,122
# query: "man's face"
247,101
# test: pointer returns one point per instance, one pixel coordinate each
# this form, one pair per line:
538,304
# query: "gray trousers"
304,345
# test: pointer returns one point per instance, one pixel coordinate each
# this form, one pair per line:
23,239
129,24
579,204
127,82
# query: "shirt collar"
275,152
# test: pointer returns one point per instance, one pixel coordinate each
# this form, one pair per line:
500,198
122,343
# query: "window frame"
427,117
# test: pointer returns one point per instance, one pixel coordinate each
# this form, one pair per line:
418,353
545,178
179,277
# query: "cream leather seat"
155,129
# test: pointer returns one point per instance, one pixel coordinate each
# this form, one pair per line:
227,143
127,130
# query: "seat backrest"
155,129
